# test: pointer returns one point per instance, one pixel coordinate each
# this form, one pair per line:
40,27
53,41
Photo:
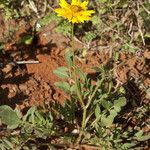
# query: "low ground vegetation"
103,73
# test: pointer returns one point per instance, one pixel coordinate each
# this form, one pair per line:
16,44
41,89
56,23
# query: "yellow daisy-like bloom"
76,12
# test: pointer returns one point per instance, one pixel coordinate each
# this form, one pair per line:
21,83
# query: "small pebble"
22,87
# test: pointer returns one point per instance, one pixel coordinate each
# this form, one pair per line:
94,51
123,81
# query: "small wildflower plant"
93,113
91,98
76,12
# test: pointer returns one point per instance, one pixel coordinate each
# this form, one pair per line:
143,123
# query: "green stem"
84,118
83,125
78,89
74,70
94,92
73,45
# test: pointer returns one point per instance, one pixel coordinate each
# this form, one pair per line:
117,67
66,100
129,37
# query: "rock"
8,68
147,54
23,87
27,92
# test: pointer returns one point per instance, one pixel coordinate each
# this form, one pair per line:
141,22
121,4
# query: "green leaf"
28,129
9,117
96,21
39,117
68,57
128,145
120,102
63,86
2,147
7,143
103,98
107,121
148,93
116,56
73,88
62,72
89,36
144,138
147,35
117,108
113,113
102,11
64,27
81,74
30,112
139,134
48,18
27,39
18,112
122,90
106,104
97,111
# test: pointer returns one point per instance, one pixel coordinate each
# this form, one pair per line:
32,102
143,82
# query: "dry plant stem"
20,62
139,23
78,90
27,62
144,7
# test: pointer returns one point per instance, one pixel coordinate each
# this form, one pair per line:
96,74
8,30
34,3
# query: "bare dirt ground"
33,84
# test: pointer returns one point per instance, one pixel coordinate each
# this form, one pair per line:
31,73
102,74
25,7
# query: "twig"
144,7
33,7
45,6
51,8
130,31
27,62
20,62
84,44
139,22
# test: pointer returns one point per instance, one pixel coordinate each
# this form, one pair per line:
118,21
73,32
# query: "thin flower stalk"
76,12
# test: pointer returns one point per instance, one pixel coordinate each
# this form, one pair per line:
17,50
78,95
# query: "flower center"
75,8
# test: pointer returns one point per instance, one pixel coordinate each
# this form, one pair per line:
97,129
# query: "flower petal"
75,2
63,4
76,12
60,11
75,20
88,12
83,18
84,5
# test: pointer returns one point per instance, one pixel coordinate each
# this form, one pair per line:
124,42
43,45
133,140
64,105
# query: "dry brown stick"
20,62
139,22
144,7
27,62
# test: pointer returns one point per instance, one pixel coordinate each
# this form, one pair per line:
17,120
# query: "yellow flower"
76,12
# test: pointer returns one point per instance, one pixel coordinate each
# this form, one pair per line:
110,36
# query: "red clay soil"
33,84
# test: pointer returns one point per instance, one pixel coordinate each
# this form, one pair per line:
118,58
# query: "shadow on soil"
17,99
20,51
37,46
8,84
